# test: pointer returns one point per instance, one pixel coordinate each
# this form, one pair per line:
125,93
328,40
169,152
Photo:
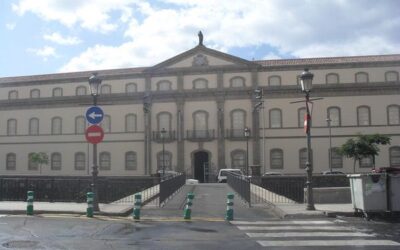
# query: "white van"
222,173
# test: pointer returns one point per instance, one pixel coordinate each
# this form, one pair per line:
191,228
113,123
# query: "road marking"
333,228
308,234
306,243
295,222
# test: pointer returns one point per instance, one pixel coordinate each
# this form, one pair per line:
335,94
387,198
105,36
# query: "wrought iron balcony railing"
168,136
235,134
200,135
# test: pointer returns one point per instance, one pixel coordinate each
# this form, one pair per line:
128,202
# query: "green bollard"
89,199
229,207
188,208
137,206
29,207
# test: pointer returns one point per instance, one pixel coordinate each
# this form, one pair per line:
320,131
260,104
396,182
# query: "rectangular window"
276,159
366,162
337,159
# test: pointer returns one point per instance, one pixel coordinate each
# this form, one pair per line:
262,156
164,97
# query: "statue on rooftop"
200,38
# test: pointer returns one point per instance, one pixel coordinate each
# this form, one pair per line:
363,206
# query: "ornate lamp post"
94,83
247,135
328,120
162,135
306,86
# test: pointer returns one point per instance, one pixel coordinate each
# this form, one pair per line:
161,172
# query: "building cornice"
270,92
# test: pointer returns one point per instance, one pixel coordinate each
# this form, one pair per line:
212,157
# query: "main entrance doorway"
201,166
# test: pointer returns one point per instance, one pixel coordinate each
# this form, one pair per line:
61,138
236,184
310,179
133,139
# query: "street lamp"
328,120
247,135
162,135
306,86
94,83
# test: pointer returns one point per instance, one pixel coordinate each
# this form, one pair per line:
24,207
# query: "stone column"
221,121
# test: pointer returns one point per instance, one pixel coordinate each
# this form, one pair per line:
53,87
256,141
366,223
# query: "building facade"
204,99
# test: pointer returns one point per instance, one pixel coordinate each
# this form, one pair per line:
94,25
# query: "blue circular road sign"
94,115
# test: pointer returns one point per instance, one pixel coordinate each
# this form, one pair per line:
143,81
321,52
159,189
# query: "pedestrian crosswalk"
309,233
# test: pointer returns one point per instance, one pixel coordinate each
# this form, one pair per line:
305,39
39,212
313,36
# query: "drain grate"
20,244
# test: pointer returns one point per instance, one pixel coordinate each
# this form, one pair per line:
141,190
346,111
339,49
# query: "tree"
363,146
40,159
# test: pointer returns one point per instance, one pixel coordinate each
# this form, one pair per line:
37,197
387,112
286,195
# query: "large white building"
204,99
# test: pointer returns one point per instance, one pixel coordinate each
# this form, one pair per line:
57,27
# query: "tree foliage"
40,158
363,146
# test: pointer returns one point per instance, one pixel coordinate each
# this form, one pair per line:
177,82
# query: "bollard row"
29,200
187,215
137,206
229,207
89,200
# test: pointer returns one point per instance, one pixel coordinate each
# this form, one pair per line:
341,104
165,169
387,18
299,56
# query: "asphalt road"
66,232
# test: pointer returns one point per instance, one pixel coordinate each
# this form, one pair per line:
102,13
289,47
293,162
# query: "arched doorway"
201,165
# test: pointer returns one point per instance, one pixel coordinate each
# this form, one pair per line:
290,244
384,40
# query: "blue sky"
52,36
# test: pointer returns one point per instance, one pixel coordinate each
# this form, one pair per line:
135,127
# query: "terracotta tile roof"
329,60
67,76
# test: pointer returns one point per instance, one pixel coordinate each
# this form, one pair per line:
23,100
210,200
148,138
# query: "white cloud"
296,28
59,39
11,26
94,15
44,52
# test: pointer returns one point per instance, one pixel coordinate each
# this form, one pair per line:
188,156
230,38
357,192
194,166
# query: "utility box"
394,192
368,192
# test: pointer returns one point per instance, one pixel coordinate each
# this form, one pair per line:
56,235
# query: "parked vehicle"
271,173
333,172
222,175
389,170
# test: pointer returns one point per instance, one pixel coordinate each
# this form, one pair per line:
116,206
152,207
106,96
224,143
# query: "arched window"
337,159
303,158
301,112
105,161
130,123
164,120
391,76
363,116
80,161
334,115
80,90
237,81
55,161
164,85
200,84
366,162
12,95
274,81
238,122
393,114
56,125
276,158
275,118
105,89
164,160
11,127
35,93
332,78
131,88
394,156
80,125
130,160
361,77
34,126
11,160
200,123
238,159
106,124
57,92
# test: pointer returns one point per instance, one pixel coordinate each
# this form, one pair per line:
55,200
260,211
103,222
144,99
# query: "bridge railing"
170,186
241,185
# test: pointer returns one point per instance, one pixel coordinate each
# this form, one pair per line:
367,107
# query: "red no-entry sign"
94,134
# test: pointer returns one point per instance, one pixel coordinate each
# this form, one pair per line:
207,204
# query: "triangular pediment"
201,57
